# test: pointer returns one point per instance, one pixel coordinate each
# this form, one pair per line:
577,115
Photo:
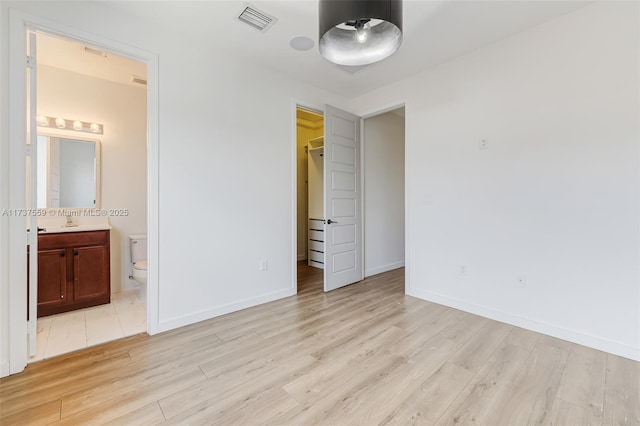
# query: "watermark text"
65,212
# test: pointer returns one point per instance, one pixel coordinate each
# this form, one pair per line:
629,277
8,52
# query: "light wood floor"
365,354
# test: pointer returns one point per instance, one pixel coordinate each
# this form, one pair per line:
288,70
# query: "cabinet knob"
62,296
75,252
62,254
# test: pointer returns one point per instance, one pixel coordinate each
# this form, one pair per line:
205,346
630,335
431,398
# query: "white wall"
226,190
5,237
555,197
383,147
235,181
123,146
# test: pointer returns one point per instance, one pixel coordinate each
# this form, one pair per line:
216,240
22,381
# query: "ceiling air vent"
138,79
256,18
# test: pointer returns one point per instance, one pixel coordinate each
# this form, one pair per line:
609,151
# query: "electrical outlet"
462,270
522,280
483,144
264,264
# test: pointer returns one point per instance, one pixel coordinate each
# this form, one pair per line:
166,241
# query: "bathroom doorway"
78,82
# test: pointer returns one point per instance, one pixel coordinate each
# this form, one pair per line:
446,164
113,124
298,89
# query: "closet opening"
310,214
350,196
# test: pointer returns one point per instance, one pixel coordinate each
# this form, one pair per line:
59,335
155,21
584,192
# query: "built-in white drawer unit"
315,255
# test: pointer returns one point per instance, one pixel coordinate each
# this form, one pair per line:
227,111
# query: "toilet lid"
140,265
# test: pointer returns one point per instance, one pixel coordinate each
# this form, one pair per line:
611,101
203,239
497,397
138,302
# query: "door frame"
315,106
312,106
13,342
407,158
294,179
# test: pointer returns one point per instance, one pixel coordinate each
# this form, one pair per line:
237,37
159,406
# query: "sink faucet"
69,220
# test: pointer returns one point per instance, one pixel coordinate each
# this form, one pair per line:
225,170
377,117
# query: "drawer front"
315,264
316,235
314,255
316,245
73,239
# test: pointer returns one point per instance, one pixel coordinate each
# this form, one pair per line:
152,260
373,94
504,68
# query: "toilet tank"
138,245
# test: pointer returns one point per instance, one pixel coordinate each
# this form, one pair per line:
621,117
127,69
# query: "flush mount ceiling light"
357,32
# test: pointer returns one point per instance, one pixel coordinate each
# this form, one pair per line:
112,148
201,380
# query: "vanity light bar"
65,124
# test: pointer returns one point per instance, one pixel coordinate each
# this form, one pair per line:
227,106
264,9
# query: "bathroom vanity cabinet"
73,271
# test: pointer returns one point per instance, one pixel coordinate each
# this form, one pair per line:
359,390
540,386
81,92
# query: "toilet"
138,246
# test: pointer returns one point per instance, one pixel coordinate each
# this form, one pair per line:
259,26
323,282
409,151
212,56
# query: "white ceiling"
434,32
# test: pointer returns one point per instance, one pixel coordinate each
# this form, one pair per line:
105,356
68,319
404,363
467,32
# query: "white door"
32,192
342,199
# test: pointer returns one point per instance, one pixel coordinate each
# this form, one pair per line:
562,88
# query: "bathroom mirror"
68,172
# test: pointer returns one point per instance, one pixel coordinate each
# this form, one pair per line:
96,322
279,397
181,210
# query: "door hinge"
28,150
32,238
31,63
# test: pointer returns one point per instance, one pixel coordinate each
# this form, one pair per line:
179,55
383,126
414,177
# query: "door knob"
329,221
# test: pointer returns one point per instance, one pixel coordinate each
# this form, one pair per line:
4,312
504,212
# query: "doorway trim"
13,341
407,157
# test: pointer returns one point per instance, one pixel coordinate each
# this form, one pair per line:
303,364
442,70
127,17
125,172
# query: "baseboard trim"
206,314
302,257
595,342
384,268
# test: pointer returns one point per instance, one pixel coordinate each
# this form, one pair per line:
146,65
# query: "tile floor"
70,331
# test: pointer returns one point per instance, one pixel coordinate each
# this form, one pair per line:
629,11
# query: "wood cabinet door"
52,278
91,273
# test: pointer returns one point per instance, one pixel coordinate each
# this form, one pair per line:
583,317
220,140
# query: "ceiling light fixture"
43,121
356,32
